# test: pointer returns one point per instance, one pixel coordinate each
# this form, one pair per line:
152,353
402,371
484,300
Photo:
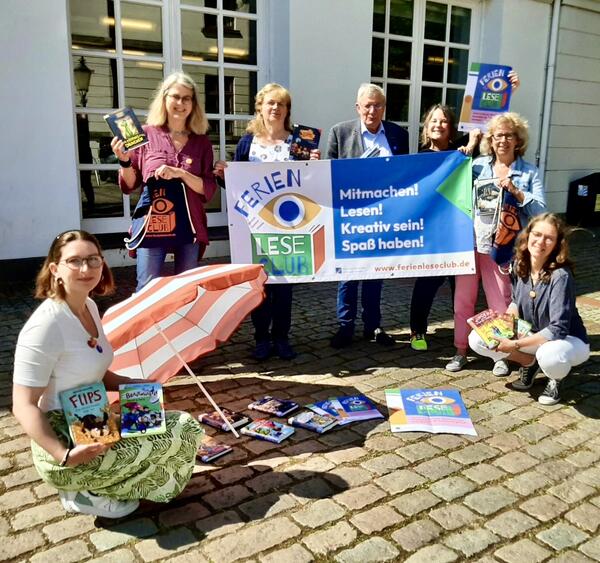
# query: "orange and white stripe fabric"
196,310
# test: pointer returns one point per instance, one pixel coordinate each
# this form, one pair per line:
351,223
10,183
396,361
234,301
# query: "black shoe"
550,395
526,377
341,339
262,350
383,338
284,350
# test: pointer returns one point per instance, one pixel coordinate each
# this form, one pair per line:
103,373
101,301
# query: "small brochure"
269,430
347,409
487,93
314,421
428,410
213,419
142,409
88,415
490,325
211,449
304,140
274,406
125,125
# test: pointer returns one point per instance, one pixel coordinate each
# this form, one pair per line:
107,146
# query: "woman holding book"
178,149
63,346
544,296
268,139
507,192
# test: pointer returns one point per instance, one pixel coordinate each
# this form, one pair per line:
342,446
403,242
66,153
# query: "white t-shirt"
53,352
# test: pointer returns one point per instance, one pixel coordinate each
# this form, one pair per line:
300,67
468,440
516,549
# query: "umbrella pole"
202,388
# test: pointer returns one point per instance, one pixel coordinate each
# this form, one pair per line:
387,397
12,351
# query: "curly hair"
558,258
46,284
197,122
279,94
450,117
514,121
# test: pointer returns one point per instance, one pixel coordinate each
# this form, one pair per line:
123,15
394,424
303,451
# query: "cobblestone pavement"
527,488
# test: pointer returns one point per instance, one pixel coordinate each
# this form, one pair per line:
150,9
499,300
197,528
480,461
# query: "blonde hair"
46,285
519,126
197,121
448,114
277,91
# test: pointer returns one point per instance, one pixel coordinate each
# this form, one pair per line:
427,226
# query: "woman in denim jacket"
505,187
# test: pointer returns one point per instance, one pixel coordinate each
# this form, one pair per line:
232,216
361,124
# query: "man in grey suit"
367,136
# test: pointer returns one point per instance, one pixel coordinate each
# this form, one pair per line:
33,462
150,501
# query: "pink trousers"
497,289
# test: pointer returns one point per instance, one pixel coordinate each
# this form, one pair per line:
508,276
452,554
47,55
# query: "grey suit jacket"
345,139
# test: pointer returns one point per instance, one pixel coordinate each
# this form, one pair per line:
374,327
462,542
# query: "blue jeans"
150,261
347,302
272,319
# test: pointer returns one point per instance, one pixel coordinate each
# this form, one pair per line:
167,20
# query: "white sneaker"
457,363
84,502
501,368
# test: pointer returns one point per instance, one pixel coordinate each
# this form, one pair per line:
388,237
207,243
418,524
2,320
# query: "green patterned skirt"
155,468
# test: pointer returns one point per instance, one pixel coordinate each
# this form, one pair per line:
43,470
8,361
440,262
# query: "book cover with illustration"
88,415
214,419
274,406
357,408
332,408
490,325
311,420
304,140
211,449
269,430
125,125
428,410
142,409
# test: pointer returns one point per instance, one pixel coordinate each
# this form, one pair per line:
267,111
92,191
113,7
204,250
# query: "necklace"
93,343
532,292
179,133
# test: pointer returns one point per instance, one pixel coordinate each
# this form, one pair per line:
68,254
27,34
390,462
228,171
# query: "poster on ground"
331,220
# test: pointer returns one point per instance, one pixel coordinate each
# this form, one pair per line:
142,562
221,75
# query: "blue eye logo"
497,85
290,211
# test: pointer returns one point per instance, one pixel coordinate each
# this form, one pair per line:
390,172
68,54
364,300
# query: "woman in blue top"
543,295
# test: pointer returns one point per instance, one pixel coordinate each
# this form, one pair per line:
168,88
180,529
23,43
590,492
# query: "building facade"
69,62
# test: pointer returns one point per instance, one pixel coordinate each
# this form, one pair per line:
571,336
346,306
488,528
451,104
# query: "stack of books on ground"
211,449
428,410
491,325
347,409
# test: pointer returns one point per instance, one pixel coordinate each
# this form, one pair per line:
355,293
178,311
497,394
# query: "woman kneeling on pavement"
63,346
543,295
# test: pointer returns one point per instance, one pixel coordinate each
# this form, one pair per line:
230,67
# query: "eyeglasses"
500,136
181,99
369,107
76,263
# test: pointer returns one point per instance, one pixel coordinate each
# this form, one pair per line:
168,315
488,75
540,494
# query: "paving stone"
294,554
268,505
332,539
220,524
13,446
19,544
473,454
353,476
590,477
524,550
556,469
182,515
452,488
511,524
376,519
527,483
483,473
318,513
544,507
546,449
470,542
453,516
384,443
227,497
158,547
496,407
122,533
69,528
561,536
505,441
516,462
4,527
66,553
433,554
16,499
570,556
232,474
571,491
574,437
314,489
117,556
490,500
586,516
21,477
383,464
346,455
374,549
437,468
399,481
359,497
583,458
413,503
191,556
418,452
447,442
268,482
591,548
339,438
44,491
416,534
37,515
314,464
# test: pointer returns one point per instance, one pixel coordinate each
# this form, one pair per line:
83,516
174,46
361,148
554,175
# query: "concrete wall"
38,185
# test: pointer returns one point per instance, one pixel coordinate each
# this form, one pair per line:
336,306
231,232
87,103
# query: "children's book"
271,405
269,430
214,419
490,325
428,410
522,328
142,409
356,407
211,449
314,421
88,415
332,408
304,140
125,125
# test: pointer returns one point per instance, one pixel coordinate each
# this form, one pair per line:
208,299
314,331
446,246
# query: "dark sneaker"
341,339
526,377
383,338
262,350
284,350
550,395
